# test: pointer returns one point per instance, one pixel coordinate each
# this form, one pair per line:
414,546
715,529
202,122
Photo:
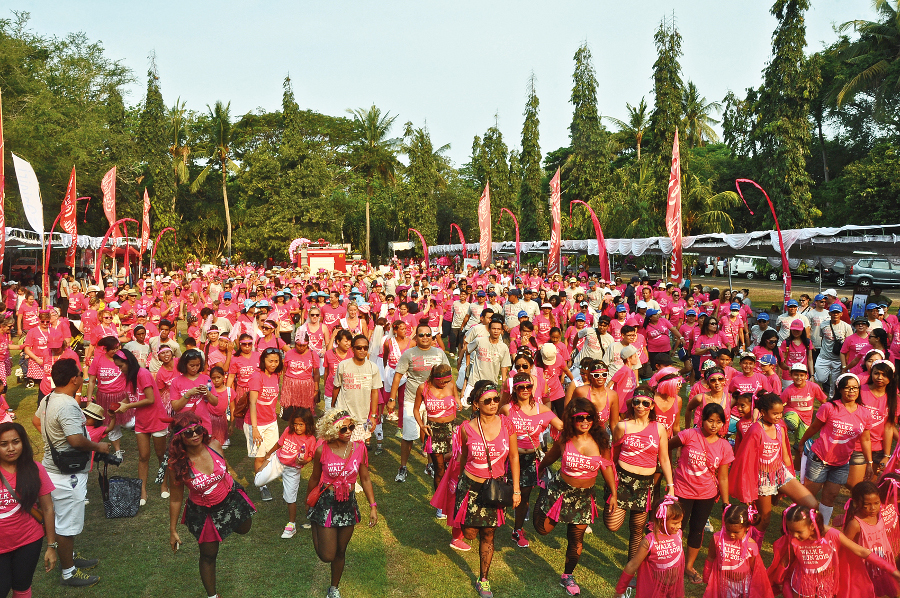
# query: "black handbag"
495,492
73,461
121,496
837,343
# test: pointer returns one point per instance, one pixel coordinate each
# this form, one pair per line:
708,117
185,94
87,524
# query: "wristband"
624,580
881,563
373,504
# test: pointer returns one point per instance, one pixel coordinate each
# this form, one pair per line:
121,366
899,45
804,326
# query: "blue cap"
279,294
248,303
580,318
690,312
526,290
262,303
226,295
621,307
793,303
819,297
835,307
652,312
515,293
522,314
354,290
287,291
763,316
735,307
871,306
482,294
768,360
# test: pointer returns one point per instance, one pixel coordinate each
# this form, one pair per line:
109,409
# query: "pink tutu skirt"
105,399
298,393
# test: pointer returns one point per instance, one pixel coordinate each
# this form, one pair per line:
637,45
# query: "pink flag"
108,186
484,223
601,241
462,237
145,231
673,215
2,187
555,232
67,219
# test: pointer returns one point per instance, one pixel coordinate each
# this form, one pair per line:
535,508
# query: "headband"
488,388
580,413
716,370
341,416
644,392
885,362
879,351
447,377
120,355
522,382
184,429
847,375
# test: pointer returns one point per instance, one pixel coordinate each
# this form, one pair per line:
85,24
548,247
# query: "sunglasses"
193,431
246,344
642,403
361,347
520,367
345,429
423,335
313,315
583,418
717,379
525,387
599,375
490,400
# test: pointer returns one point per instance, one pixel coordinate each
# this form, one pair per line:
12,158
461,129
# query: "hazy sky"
450,65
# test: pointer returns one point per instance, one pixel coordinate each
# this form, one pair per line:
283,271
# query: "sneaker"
440,514
519,538
357,487
31,385
164,495
401,475
429,470
83,563
289,530
306,526
392,417
379,449
227,443
460,545
80,579
589,530
399,433
120,454
708,527
333,592
483,587
568,582
265,494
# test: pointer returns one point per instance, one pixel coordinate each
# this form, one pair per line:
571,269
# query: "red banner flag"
2,187
484,223
516,223
462,238
673,215
424,246
145,230
785,266
108,186
555,232
598,232
68,221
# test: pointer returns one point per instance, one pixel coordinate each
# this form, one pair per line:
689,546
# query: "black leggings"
696,514
17,567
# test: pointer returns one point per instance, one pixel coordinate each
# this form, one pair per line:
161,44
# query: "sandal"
694,577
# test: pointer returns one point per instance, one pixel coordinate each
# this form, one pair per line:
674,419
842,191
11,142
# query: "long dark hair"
598,430
132,367
890,390
179,462
28,478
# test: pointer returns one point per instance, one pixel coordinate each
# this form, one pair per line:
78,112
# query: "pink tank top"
733,556
666,552
342,473
528,428
436,406
640,449
477,465
770,450
576,465
207,490
875,538
668,418
814,574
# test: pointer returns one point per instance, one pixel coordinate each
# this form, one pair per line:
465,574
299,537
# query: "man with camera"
67,455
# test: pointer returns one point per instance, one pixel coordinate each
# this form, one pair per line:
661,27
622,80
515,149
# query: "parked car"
871,271
828,274
740,266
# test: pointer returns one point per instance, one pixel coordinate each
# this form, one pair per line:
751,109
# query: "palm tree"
697,120
219,137
706,211
638,122
373,154
873,58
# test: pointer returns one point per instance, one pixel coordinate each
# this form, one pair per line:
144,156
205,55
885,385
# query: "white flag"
31,195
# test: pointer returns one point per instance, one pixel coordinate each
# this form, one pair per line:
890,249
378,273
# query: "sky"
456,67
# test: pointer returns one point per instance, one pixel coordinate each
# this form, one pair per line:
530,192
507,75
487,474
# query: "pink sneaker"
519,538
568,582
460,545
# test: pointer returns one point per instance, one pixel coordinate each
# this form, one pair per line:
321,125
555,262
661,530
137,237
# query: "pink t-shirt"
331,364
17,526
207,490
197,402
792,353
299,366
855,345
877,407
800,400
243,368
716,341
542,328
148,419
295,449
696,475
109,377
840,429
624,381
748,384
657,336
331,315
267,387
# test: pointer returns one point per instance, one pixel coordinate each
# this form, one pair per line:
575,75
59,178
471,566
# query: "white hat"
456,291
829,293
548,353
546,305
641,305
799,367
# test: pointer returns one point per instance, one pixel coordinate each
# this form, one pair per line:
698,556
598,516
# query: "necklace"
347,451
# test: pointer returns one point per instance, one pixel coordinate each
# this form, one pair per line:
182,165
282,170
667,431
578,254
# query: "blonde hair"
325,428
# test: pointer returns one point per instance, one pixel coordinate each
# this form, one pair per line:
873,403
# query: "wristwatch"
53,545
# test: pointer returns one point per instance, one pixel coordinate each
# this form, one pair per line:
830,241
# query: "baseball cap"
456,292
747,355
522,314
482,294
835,307
548,353
583,304
768,360
621,307
829,293
690,312
799,367
797,325
627,352
546,306
226,295
819,297
735,307
871,306
580,318
652,312
114,305
763,316
861,320
573,279
635,279
641,305
793,303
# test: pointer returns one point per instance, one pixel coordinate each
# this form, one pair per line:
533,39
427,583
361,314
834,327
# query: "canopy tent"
814,246
21,239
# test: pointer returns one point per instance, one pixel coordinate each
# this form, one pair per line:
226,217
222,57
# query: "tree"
589,160
532,209
870,188
697,123
667,111
782,129
491,163
218,139
424,179
632,131
373,154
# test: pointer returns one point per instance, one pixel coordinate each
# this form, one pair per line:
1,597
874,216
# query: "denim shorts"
818,472
857,458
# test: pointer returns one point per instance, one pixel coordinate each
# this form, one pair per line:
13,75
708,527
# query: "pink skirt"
5,369
219,425
298,393
35,370
239,391
105,399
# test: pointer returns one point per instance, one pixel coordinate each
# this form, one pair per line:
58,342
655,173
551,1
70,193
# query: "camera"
109,459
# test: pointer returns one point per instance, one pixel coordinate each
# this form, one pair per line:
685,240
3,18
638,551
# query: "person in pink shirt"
148,413
709,340
34,346
800,401
747,380
796,349
28,313
192,389
734,327
301,375
107,379
625,380
656,330
879,396
839,423
56,350
333,312
854,347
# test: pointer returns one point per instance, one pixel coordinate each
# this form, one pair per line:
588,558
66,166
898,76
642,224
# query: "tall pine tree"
782,131
588,161
532,206
490,162
424,178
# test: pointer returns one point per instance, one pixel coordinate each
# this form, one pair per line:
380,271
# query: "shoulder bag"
837,343
70,461
495,492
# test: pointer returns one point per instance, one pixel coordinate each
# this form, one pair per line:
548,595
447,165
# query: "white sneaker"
358,488
227,444
289,530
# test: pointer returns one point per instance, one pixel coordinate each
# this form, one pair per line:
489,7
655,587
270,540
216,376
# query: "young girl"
218,413
243,366
864,524
747,414
659,562
796,349
806,559
734,567
294,449
763,466
715,381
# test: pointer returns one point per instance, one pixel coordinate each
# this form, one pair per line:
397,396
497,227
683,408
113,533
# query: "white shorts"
269,433
115,434
290,480
68,502
160,434
411,430
464,399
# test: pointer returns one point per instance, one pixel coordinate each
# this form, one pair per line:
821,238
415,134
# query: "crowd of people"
627,381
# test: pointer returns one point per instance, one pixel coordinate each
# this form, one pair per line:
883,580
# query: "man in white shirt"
487,358
783,323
